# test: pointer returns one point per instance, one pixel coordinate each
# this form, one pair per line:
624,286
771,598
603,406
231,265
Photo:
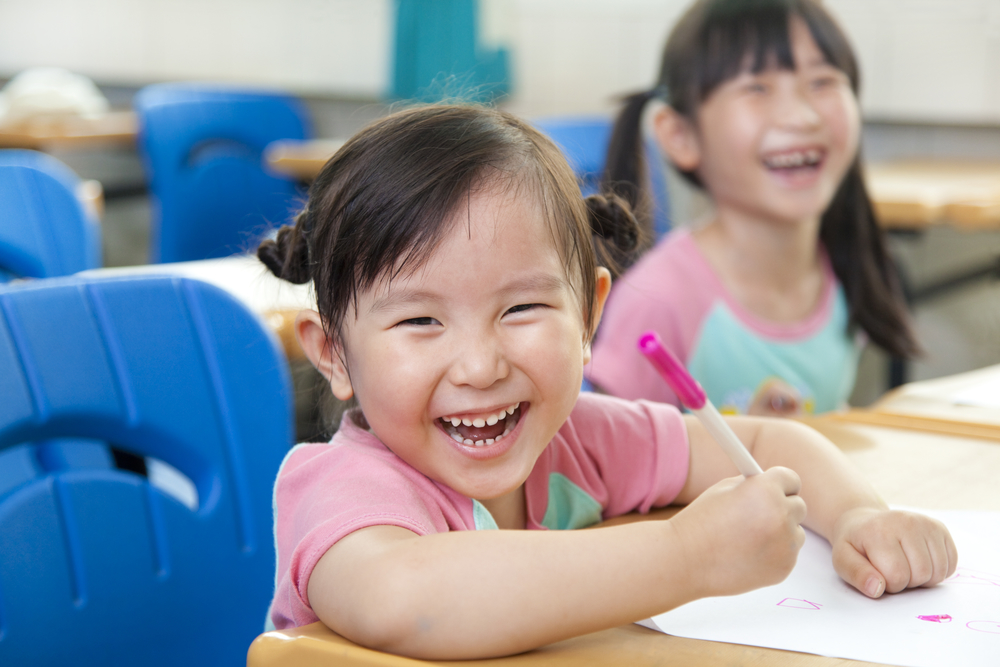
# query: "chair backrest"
45,230
202,148
97,566
584,141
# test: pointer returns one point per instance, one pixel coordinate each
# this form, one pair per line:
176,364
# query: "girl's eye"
419,321
756,88
823,82
522,307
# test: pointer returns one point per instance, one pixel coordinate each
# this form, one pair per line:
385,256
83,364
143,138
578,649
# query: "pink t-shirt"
611,457
674,291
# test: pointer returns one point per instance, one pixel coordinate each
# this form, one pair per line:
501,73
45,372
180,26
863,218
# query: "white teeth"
493,419
455,421
479,423
456,437
499,437
467,442
489,441
467,421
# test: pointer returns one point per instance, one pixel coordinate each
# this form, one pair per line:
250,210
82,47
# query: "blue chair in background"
98,567
45,230
584,141
202,149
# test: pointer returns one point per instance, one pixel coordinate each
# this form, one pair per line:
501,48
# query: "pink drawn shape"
991,627
967,576
937,618
796,603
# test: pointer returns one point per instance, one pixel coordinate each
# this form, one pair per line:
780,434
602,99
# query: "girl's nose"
479,363
795,109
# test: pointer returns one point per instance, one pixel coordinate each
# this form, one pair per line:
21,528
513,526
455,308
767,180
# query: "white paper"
985,394
814,611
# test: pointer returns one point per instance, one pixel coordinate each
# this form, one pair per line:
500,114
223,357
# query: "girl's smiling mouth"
482,430
793,160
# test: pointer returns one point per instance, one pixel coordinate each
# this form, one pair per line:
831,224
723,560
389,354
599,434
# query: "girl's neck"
772,268
509,511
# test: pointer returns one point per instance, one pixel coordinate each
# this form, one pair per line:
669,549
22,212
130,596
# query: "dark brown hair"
381,205
712,43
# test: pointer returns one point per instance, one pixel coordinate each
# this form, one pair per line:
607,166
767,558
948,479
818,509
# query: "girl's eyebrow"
535,283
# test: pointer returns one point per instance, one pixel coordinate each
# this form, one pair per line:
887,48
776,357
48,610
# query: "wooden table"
937,406
908,194
243,276
919,469
71,132
300,159
915,194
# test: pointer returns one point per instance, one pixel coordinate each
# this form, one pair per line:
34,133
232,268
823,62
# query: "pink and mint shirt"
731,352
611,457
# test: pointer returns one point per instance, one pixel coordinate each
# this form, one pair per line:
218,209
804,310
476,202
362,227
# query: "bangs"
717,41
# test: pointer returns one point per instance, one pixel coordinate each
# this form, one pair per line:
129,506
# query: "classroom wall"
923,60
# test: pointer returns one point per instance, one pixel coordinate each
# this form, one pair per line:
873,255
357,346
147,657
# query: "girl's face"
776,145
467,367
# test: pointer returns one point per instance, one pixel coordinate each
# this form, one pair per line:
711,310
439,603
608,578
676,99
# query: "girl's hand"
741,534
878,550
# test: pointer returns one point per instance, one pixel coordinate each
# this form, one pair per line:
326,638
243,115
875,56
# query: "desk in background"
919,469
71,132
908,194
243,276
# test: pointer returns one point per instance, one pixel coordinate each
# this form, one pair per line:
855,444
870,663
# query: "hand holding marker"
693,397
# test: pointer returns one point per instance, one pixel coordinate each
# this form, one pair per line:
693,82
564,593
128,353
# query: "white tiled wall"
923,60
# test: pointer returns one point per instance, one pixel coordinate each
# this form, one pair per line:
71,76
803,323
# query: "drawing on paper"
796,603
991,627
964,575
936,618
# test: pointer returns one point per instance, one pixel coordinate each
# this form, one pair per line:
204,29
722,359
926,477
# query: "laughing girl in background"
768,302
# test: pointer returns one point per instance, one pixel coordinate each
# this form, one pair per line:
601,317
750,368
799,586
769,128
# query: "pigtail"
617,233
859,257
625,166
287,256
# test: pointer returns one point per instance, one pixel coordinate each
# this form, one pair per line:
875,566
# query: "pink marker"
693,397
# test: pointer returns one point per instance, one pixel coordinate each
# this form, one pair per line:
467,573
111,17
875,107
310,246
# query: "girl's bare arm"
476,594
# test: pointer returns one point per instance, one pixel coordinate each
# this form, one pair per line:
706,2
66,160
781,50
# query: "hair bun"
611,218
287,256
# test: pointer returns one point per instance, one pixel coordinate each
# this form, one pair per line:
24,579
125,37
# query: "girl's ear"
326,355
677,138
602,288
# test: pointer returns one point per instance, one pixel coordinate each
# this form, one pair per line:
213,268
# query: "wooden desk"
907,194
243,276
300,159
927,470
931,406
70,132
915,194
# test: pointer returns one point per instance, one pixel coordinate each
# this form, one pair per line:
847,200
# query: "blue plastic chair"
584,141
97,567
202,149
45,230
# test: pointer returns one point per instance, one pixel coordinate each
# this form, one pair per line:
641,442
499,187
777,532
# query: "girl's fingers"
854,568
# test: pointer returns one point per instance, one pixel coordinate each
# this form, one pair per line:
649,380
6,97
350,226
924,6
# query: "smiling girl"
458,287
764,301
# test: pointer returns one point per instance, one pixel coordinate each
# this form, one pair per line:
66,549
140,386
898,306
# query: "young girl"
765,302
457,285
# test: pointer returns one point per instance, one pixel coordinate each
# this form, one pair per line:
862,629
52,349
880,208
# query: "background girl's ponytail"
625,166
617,232
287,256
856,246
